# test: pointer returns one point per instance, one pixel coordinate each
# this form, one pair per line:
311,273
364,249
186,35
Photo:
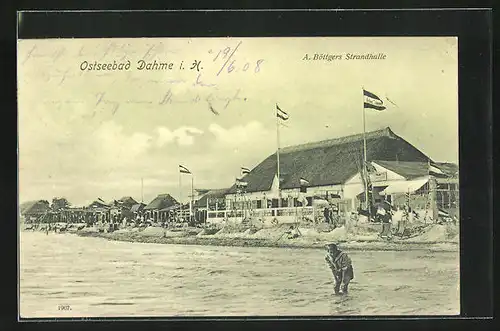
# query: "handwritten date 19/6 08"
230,63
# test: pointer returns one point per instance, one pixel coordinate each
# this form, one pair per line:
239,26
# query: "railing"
263,213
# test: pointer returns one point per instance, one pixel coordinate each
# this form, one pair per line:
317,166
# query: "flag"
281,114
184,170
245,171
372,101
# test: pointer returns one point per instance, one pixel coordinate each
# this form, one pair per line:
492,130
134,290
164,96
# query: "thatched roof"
99,204
128,201
329,162
160,202
450,169
211,194
38,207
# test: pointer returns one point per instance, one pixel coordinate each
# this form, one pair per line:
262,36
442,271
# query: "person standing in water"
341,266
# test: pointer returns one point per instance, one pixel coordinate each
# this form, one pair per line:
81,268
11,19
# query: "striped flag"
281,114
183,169
372,101
245,171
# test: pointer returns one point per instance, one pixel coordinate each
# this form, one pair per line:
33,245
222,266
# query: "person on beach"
293,233
326,214
384,215
341,265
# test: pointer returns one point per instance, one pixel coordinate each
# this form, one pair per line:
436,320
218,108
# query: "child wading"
341,266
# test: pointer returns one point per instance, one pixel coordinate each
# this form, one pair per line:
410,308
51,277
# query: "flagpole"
191,200
180,195
432,191
364,157
278,158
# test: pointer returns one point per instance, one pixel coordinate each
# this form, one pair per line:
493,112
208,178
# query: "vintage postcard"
313,176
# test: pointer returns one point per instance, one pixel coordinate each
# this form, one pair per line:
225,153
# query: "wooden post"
433,197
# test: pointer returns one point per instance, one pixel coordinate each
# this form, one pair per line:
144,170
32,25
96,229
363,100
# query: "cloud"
184,135
239,135
114,145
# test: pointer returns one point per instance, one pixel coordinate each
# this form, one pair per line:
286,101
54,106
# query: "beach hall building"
332,170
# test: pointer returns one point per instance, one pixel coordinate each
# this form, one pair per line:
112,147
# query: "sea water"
63,275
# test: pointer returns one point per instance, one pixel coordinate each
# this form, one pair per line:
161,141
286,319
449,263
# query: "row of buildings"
399,173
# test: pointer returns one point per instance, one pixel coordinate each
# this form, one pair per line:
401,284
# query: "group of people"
331,215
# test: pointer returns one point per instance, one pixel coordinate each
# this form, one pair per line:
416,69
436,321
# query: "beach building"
127,202
211,200
332,170
98,211
160,208
137,209
34,210
122,207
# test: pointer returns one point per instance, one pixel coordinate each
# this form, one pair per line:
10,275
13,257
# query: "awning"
408,186
317,201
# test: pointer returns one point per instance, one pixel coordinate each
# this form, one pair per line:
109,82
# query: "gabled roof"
99,204
137,207
408,170
212,194
450,169
161,201
329,162
128,201
411,170
34,207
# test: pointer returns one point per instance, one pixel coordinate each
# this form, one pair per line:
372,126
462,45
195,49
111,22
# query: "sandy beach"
434,237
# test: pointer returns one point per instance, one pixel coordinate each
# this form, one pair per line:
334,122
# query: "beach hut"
152,210
127,202
99,211
210,200
34,210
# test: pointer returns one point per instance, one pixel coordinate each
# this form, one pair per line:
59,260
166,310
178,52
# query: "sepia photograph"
213,177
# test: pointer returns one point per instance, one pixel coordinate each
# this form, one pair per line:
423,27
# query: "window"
259,204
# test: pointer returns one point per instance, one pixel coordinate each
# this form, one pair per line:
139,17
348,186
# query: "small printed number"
64,307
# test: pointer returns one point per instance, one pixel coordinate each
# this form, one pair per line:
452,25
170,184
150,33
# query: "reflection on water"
98,278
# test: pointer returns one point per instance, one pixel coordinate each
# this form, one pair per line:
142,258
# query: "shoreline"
309,243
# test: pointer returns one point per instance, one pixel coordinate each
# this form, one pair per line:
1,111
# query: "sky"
85,134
